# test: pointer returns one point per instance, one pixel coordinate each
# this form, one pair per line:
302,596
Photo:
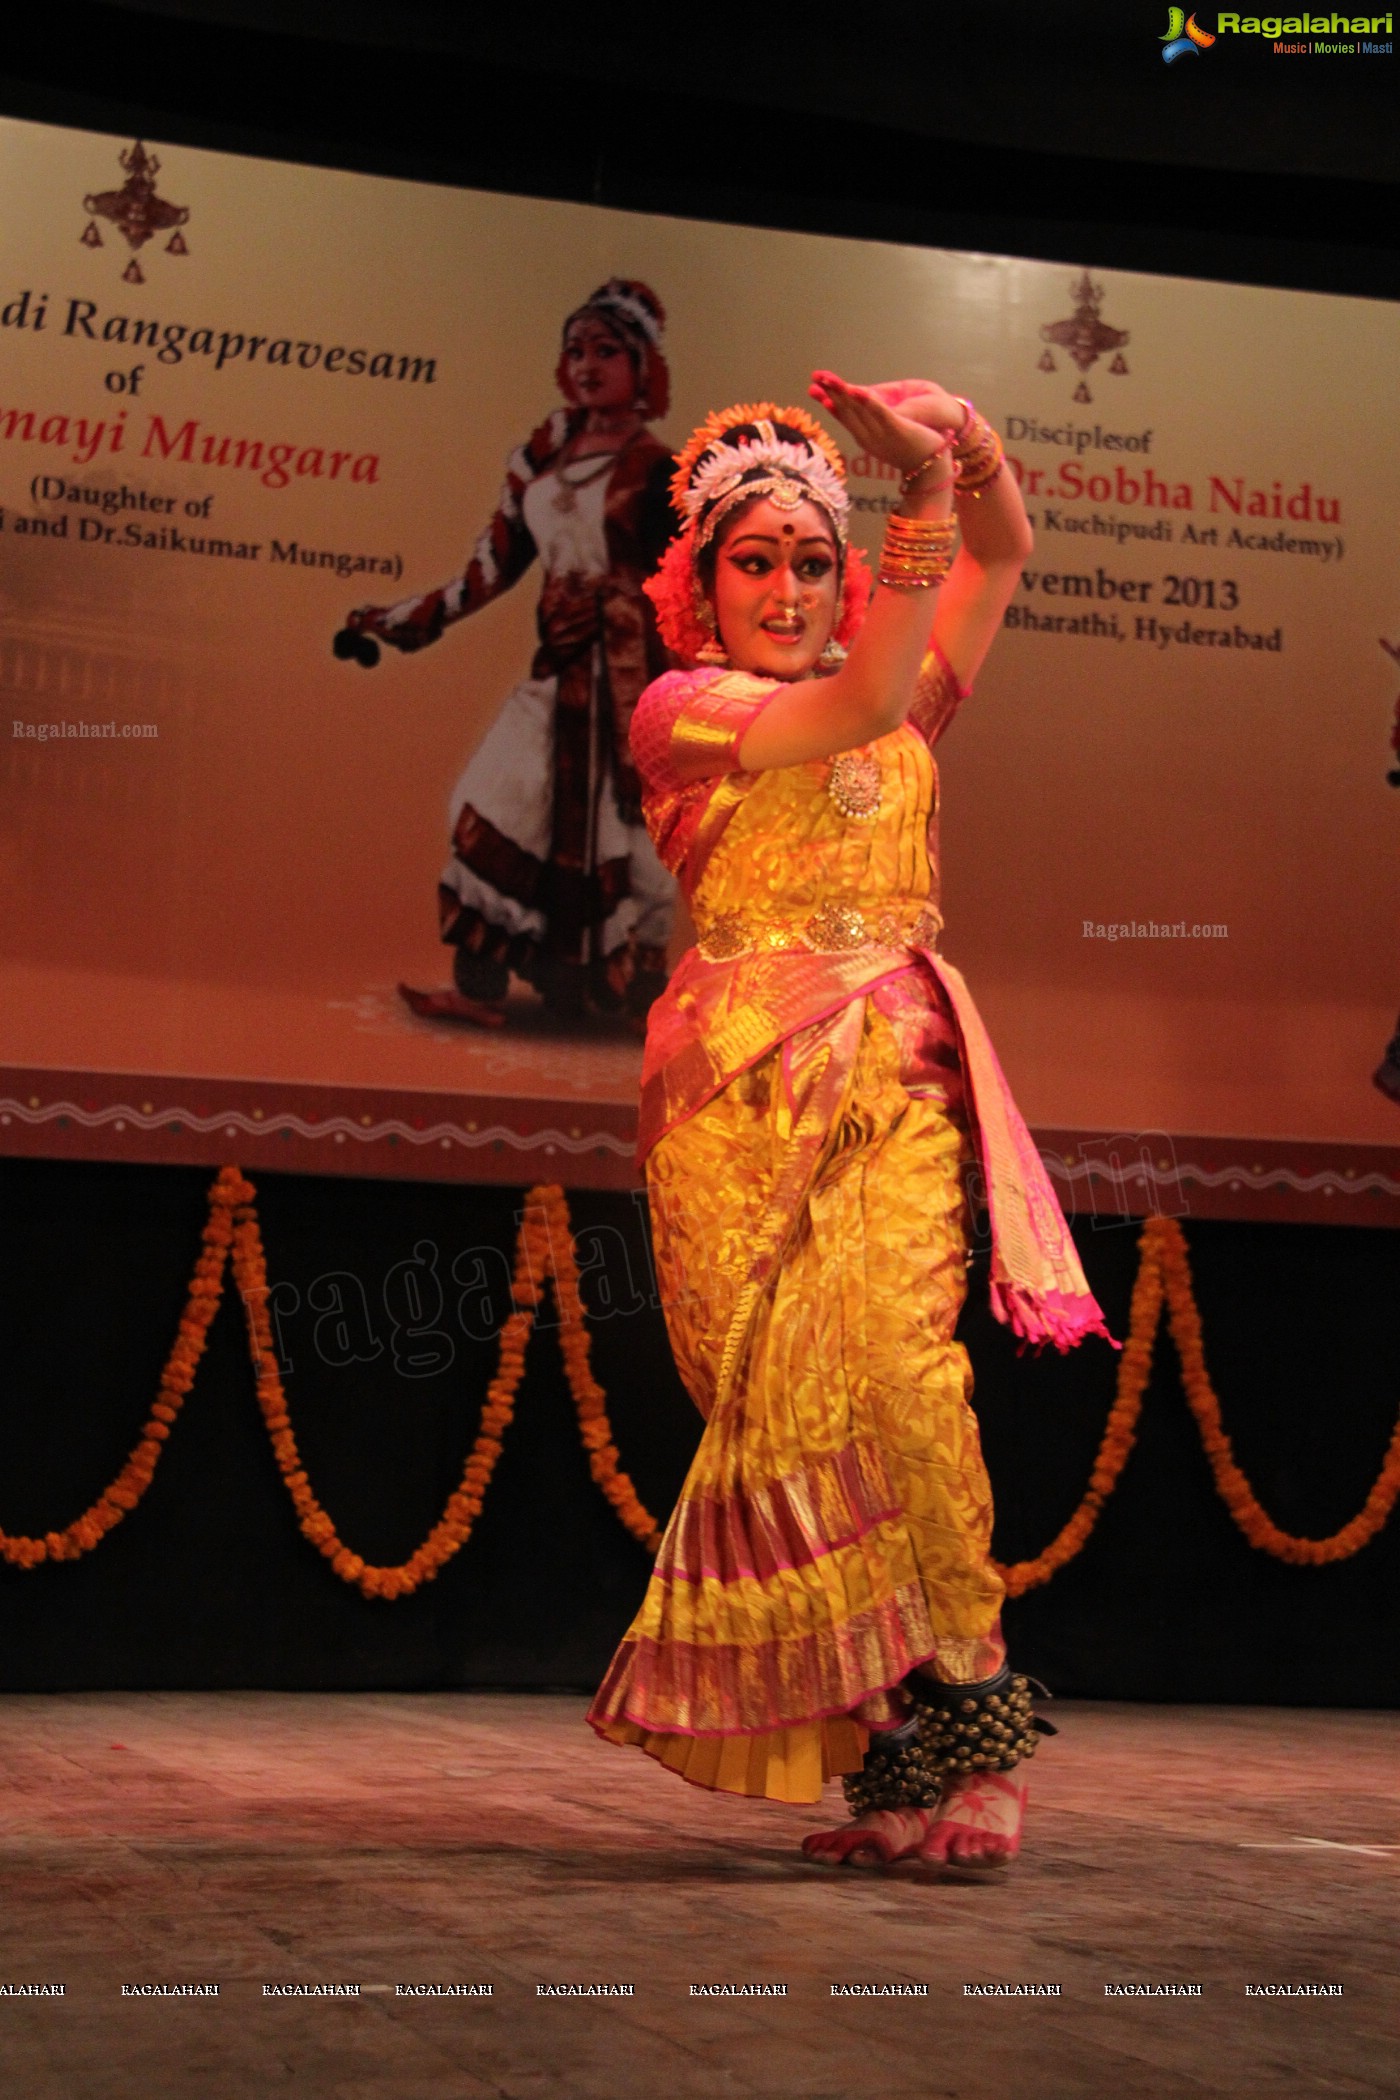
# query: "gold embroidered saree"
815,1083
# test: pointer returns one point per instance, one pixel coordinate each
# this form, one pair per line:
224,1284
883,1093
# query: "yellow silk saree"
816,1082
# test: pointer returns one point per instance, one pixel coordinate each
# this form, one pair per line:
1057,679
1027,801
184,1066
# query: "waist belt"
825,929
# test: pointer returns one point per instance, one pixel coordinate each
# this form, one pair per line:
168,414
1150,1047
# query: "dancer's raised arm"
997,542
773,579
777,580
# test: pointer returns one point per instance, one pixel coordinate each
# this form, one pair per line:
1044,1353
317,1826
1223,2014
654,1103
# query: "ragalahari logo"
1183,35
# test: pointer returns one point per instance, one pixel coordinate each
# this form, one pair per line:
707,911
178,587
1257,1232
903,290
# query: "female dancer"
551,873
816,1077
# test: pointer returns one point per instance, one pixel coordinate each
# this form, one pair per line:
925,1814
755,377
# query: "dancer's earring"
713,650
834,654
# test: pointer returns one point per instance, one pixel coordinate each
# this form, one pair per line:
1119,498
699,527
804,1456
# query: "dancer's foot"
873,1839
976,1828
442,1005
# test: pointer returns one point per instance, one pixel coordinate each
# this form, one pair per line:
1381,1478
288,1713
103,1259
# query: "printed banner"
255,890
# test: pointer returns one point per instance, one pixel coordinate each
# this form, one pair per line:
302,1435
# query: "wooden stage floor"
251,1840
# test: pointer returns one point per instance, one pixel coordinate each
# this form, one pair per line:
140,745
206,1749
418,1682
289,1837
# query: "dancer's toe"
977,1828
875,1839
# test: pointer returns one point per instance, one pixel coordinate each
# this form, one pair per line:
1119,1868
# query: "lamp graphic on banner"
136,211
1084,336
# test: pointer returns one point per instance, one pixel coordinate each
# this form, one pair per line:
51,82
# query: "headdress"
752,449
633,311
741,452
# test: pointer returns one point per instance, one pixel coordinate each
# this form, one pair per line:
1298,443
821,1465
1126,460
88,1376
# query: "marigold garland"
545,1253
1165,1271
1120,1434
463,1506
122,1496
590,1401
544,1248
1234,1490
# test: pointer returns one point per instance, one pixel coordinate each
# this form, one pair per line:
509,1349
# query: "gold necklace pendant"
854,785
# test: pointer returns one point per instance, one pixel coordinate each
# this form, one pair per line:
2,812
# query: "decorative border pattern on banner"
1160,1173
311,1129
419,1136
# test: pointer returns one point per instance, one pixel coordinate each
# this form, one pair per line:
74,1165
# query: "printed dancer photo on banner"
552,877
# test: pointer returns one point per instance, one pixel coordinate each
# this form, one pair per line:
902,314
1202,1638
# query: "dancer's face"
776,589
598,369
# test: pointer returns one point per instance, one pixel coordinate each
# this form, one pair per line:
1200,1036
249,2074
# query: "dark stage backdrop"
209,1583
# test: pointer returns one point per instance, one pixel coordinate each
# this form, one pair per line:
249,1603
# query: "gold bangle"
919,532
967,436
973,484
923,579
978,452
917,552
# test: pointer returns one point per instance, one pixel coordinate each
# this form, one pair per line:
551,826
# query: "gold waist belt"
826,929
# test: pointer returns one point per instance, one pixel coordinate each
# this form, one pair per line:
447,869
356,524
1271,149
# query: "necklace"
565,498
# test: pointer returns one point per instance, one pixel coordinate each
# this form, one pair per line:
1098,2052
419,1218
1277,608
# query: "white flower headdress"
717,470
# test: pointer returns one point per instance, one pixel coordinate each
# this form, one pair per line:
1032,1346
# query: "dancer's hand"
924,401
410,625
895,420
